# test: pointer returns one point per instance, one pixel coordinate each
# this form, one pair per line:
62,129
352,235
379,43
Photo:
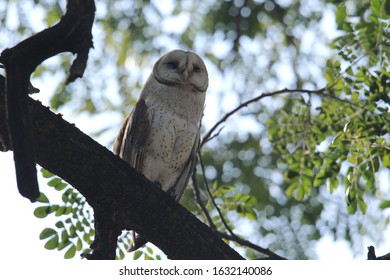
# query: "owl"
160,137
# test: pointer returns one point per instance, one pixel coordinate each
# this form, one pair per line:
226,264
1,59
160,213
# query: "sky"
20,239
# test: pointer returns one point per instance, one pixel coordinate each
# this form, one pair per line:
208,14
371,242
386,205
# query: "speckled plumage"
160,137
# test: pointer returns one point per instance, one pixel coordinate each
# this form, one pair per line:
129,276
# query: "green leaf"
121,254
68,210
63,245
341,14
352,160
85,222
320,178
46,233
60,186
60,224
79,244
79,226
137,255
87,238
250,213
318,181
46,173
64,236
376,3
301,193
329,78
333,183
386,160
52,243
352,206
309,172
70,253
53,208
375,163
370,183
72,231
61,210
375,8
43,198
249,200
291,189
54,182
41,212
362,205
374,18
384,204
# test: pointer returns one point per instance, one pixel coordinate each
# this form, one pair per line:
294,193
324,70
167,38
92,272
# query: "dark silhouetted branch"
71,34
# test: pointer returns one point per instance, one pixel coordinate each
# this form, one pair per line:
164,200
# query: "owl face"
182,68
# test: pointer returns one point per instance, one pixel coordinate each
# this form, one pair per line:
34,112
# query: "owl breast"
174,128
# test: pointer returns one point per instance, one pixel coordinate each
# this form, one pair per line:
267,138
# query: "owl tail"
137,242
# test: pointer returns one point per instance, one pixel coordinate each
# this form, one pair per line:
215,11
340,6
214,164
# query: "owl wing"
130,146
133,135
178,189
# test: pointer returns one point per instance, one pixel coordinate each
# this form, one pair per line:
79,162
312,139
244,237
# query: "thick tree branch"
71,34
121,197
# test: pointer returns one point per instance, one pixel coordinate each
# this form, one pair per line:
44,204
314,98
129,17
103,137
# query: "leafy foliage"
74,229
355,115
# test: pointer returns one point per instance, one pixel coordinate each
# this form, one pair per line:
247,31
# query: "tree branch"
225,224
121,197
71,34
199,201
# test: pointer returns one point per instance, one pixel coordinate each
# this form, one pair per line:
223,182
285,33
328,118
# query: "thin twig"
243,242
320,92
199,200
212,198
207,137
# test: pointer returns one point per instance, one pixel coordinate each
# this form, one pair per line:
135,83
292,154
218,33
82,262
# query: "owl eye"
196,69
172,64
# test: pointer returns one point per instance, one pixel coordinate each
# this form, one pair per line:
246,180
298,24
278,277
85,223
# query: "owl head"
181,68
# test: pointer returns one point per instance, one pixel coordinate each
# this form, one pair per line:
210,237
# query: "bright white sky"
20,229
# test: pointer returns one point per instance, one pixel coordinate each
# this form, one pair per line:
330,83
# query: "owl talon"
158,184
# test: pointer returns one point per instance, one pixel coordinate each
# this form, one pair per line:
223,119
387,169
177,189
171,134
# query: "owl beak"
185,75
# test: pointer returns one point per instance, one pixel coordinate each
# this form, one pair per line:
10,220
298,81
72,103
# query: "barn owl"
160,137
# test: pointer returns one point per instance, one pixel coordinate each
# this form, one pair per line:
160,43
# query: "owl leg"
138,240
158,184
172,192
